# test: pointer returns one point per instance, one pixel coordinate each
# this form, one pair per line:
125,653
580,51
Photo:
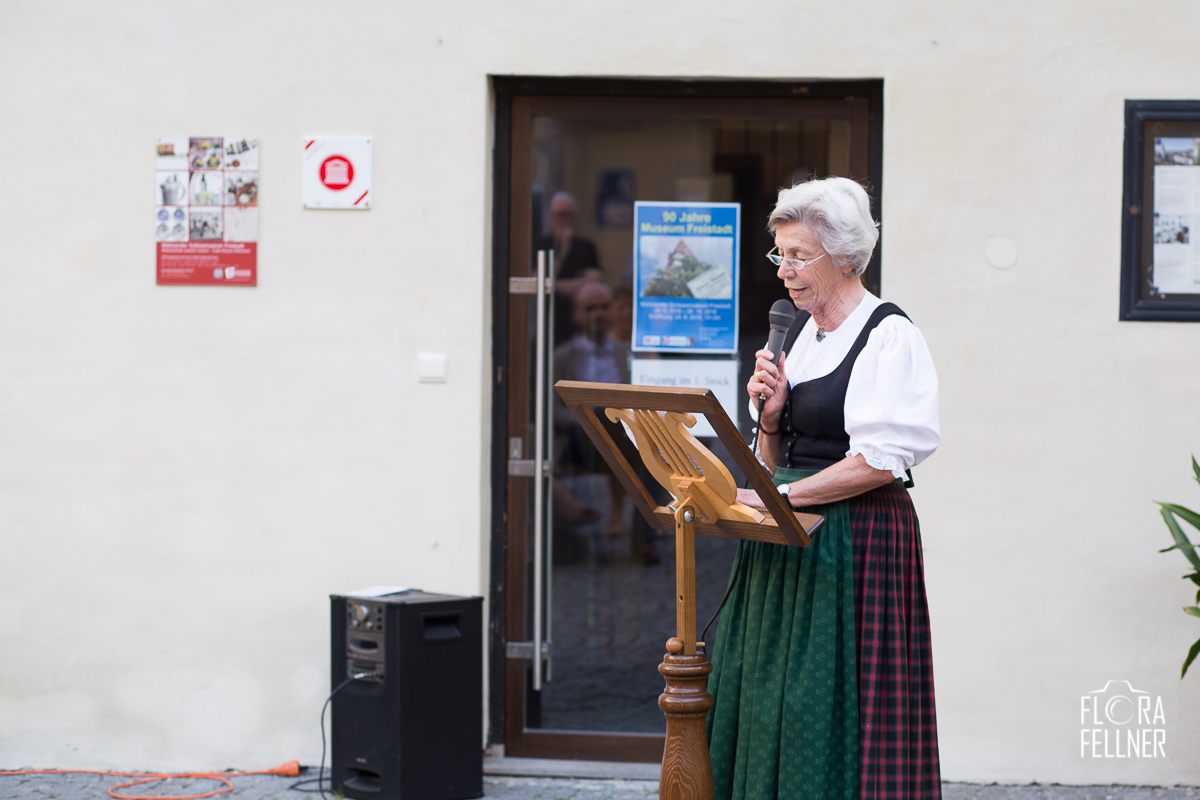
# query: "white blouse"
892,399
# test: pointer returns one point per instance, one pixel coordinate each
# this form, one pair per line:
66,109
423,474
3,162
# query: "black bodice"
814,415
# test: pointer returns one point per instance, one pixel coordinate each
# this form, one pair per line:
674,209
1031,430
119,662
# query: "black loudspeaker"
412,729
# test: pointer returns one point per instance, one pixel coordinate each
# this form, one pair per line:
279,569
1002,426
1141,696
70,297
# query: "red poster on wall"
206,210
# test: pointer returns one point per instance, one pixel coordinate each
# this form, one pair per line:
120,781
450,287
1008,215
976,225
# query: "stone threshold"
563,768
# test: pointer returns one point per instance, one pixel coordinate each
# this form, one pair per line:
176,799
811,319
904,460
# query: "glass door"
589,585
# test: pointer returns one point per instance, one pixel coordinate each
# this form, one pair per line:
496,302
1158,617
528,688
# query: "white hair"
563,197
839,213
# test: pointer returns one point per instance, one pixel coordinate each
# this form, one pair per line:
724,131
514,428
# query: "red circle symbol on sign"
336,173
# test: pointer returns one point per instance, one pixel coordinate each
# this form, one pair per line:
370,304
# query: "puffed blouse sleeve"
892,399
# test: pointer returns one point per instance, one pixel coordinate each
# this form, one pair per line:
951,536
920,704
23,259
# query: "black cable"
754,433
753,445
732,579
299,786
762,401
737,566
324,708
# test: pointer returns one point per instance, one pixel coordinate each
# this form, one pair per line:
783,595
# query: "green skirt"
784,722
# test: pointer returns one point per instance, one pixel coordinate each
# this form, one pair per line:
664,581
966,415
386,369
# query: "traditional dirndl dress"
822,664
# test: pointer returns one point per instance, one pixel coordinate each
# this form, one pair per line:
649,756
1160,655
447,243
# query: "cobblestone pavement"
504,787
95,787
1054,791
267,787
517,788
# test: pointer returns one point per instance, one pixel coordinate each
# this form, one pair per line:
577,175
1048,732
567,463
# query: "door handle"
539,459
548,467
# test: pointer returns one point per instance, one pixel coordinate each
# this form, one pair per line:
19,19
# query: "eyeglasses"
794,263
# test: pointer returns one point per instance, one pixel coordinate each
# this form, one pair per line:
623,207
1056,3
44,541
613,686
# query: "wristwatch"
784,488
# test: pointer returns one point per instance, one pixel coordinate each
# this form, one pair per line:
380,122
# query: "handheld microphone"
783,312
781,317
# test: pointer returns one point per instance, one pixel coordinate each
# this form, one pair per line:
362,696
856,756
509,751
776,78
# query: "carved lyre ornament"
684,466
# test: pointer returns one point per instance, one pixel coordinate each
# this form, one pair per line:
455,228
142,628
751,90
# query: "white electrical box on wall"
336,172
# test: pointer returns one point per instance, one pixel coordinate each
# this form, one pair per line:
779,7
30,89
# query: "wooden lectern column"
686,766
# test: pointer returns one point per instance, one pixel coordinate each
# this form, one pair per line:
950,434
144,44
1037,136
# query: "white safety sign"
336,172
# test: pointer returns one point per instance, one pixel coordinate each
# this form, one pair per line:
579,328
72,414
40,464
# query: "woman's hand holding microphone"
768,387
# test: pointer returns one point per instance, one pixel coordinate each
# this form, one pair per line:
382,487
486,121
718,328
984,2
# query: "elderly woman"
823,673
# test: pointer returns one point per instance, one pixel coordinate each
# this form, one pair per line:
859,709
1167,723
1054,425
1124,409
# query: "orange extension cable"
289,770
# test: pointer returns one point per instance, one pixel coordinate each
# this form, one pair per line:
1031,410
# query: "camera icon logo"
1120,721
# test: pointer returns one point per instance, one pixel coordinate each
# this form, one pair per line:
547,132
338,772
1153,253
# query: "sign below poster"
693,373
337,172
685,259
206,210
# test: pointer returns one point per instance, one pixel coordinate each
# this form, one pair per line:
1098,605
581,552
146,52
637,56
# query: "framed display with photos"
1160,250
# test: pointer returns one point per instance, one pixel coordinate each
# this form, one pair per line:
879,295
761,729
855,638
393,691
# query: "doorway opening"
578,583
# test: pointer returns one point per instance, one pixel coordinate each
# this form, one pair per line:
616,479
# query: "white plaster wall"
186,473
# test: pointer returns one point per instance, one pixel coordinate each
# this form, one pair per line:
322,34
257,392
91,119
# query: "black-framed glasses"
794,263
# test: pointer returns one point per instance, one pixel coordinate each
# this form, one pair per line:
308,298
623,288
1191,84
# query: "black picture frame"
1146,120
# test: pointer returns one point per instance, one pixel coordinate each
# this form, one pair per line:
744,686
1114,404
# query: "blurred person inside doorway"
576,261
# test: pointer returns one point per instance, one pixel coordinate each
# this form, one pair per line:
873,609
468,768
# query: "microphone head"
782,314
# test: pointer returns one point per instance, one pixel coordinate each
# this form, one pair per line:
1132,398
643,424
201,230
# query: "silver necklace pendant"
820,334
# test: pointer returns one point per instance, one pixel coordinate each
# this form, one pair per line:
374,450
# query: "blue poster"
685,258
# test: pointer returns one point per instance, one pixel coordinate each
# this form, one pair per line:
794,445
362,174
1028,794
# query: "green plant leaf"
1179,536
1191,656
1179,547
1191,517
1193,610
1194,577
1196,469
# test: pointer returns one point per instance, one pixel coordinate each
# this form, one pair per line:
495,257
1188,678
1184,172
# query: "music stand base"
686,766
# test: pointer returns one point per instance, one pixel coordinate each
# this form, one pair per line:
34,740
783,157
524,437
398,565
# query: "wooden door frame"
739,99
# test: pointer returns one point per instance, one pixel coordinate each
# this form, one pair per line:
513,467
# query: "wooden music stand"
705,502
